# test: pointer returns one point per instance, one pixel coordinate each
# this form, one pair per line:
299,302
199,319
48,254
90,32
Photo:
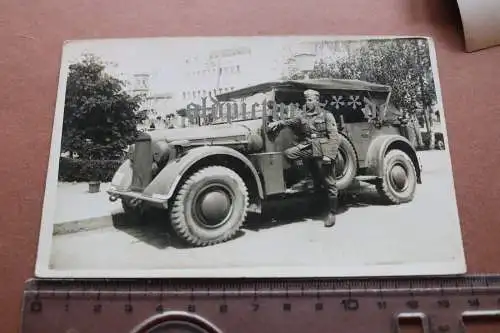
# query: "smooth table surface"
32,33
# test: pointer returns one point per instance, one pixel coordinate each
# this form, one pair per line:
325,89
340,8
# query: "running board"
365,178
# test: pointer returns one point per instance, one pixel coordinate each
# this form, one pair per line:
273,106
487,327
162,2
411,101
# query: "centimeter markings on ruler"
441,303
208,288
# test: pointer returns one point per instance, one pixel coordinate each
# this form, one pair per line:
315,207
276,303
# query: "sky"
165,56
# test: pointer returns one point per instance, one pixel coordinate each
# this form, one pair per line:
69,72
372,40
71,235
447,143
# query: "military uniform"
318,146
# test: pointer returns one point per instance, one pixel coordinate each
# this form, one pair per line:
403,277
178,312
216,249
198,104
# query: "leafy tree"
100,119
404,64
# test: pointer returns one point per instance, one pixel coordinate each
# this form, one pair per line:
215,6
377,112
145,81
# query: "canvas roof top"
317,84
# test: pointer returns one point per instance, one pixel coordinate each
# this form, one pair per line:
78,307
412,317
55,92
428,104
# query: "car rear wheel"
210,206
399,179
346,164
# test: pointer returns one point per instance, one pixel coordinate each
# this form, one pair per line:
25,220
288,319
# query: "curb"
93,223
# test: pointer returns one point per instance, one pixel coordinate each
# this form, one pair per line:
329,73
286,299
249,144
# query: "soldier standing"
318,146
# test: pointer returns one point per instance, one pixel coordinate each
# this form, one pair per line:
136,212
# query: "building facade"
219,72
157,106
224,70
328,51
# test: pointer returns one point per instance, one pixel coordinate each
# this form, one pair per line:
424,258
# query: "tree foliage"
100,118
403,64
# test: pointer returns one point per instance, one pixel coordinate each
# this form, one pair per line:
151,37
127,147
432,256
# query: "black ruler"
385,305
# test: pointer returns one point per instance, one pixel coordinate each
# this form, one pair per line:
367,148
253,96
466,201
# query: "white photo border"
456,266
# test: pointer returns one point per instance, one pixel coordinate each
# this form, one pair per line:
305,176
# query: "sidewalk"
78,209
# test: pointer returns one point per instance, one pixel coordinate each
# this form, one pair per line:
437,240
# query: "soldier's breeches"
324,176
298,152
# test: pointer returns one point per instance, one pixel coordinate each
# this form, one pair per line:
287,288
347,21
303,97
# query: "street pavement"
366,233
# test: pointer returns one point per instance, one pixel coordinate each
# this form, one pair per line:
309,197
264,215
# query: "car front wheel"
399,180
210,206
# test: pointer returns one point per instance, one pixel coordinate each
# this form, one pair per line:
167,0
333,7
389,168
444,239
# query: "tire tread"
383,186
177,214
343,184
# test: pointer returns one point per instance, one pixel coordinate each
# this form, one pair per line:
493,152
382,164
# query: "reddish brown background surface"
31,37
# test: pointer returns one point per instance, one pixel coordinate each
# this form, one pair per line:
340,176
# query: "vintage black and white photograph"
275,156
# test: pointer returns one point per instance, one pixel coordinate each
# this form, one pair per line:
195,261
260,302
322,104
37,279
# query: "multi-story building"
223,70
156,106
205,74
328,51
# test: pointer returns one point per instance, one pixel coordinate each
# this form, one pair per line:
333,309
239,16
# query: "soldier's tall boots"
332,211
332,194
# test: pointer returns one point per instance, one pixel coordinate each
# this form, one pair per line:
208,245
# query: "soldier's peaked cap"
311,93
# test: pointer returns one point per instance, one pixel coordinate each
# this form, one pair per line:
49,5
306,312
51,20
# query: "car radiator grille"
143,161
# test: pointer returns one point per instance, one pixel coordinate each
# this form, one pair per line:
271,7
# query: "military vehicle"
208,177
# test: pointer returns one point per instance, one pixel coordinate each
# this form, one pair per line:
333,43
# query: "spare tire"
346,163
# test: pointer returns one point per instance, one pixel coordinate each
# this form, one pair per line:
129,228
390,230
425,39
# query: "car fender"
165,183
379,148
122,178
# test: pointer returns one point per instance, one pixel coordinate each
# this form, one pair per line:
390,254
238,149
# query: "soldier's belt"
318,136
